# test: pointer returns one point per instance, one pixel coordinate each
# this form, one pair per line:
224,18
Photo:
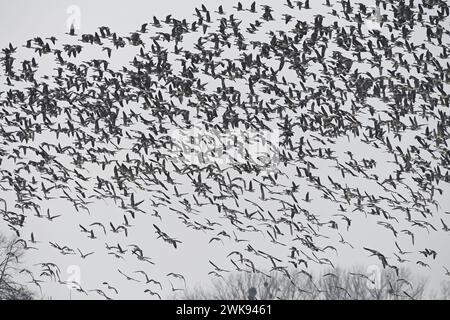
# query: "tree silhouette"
335,284
11,253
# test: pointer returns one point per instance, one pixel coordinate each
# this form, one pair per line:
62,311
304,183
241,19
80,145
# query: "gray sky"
23,20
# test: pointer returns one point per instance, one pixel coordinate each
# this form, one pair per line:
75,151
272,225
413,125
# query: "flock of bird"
89,132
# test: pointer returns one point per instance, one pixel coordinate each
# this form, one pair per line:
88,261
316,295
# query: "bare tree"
10,254
444,292
356,284
336,284
271,286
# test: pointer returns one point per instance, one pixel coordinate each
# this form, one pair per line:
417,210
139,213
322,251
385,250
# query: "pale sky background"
22,20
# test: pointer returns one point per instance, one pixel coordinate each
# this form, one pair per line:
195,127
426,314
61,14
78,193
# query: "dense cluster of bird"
331,86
